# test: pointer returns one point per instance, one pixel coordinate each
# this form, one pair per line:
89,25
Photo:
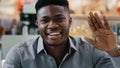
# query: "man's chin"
53,44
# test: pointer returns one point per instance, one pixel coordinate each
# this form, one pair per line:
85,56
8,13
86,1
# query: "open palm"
104,37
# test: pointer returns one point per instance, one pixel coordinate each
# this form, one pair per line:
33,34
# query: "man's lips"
53,33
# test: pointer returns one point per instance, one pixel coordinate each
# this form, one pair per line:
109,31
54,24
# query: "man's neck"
57,52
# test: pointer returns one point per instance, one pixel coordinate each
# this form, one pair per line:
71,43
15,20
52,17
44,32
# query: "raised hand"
104,37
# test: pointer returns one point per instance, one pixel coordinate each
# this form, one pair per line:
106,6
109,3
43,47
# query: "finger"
106,25
90,24
98,20
89,40
93,20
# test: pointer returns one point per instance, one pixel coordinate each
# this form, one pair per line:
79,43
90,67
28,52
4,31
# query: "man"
54,48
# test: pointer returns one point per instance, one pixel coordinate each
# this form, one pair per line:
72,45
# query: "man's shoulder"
81,44
18,50
79,41
85,47
24,44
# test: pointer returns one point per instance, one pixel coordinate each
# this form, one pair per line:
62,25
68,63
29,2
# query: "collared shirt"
31,54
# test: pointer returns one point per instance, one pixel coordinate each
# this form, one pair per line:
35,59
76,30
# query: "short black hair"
41,3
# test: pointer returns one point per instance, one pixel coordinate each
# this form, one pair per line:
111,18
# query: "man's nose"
52,24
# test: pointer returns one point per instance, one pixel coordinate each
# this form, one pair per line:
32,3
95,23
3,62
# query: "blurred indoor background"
18,17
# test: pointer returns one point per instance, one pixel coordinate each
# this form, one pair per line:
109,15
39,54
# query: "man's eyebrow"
59,15
45,17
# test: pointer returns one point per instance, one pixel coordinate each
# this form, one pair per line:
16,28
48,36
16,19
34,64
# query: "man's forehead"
51,10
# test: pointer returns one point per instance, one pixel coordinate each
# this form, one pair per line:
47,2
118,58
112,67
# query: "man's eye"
60,19
44,21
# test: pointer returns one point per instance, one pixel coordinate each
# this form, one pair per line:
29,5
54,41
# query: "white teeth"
54,33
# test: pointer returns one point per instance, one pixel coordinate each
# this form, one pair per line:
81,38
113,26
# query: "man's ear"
36,23
70,21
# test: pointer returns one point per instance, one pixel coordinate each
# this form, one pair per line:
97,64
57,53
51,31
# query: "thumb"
89,40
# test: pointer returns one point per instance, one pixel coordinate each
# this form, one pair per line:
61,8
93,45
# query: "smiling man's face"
54,22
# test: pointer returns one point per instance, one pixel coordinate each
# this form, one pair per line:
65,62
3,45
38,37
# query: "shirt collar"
72,44
40,45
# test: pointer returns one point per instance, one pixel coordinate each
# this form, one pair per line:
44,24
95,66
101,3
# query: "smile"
54,33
